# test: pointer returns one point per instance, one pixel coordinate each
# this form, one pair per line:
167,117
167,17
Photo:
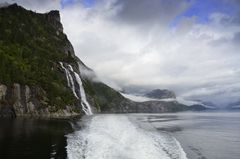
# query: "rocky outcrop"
53,17
160,94
18,100
32,83
3,91
42,77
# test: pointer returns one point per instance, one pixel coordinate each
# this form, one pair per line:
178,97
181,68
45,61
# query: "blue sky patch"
201,9
86,3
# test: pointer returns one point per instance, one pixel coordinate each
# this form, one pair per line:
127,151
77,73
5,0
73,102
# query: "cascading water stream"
84,103
69,80
67,76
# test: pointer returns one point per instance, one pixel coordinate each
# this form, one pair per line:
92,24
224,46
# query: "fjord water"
214,135
117,137
204,135
33,138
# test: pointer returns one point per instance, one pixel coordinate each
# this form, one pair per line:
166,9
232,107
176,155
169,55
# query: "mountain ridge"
42,77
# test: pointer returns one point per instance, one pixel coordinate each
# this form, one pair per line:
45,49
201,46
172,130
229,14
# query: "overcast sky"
189,46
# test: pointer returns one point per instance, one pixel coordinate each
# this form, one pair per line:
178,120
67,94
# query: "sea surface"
205,135
33,138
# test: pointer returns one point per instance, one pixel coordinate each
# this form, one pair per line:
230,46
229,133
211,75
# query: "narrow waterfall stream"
69,80
84,102
66,73
82,95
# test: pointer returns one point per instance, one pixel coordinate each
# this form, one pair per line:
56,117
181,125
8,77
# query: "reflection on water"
33,139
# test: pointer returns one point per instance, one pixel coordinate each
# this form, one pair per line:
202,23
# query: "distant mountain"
41,76
207,103
197,107
160,94
234,105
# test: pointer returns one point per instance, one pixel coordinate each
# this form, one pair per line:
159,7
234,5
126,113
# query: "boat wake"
117,137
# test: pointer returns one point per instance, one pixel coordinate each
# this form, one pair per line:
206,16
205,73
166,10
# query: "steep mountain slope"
39,72
41,76
31,46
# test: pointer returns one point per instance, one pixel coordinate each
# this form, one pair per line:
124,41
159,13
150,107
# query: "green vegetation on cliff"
104,96
31,45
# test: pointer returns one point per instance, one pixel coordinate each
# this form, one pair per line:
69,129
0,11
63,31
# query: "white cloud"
132,45
185,58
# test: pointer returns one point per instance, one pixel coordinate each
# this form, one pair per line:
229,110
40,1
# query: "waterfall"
69,80
84,103
67,76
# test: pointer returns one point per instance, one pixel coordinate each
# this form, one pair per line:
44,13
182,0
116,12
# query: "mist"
157,44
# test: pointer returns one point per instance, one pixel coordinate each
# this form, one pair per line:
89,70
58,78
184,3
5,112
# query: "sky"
188,46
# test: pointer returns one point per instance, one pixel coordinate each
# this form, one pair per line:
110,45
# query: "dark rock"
33,83
53,17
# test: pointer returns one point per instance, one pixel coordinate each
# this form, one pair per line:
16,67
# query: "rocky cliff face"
41,76
22,100
32,81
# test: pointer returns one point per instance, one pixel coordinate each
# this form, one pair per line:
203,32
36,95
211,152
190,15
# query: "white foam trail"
85,105
116,137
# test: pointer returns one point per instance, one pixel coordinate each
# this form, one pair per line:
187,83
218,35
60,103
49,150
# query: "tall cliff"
31,80
41,76
39,72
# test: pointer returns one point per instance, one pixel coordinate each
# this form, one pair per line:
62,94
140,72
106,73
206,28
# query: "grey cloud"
236,38
198,61
149,11
37,5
